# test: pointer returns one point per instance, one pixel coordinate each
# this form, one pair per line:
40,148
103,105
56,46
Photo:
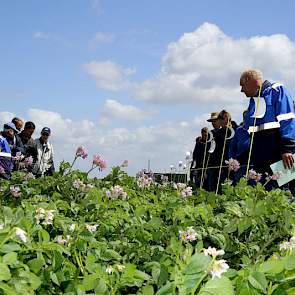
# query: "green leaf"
290,262
198,263
44,235
234,209
4,272
147,290
243,224
8,215
34,281
10,258
19,214
109,254
231,226
272,266
7,289
168,289
218,286
195,271
141,275
90,282
258,280
54,278
10,247
36,264
57,260
101,288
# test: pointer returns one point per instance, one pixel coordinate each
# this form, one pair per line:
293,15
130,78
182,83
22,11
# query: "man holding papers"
271,118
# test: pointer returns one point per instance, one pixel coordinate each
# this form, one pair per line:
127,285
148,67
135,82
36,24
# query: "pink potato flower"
254,175
81,152
99,162
29,161
233,165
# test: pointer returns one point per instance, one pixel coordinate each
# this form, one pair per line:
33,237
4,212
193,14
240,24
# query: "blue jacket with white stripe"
278,114
5,155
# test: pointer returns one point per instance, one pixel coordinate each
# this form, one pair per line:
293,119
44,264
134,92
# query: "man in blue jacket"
6,161
271,117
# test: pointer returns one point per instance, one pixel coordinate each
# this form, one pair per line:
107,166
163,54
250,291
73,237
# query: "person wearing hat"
43,155
215,122
6,162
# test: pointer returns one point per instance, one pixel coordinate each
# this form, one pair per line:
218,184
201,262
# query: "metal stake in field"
252,135
228,126
210,134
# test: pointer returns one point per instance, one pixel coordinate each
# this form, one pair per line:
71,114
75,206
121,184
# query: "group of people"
266,135
19,151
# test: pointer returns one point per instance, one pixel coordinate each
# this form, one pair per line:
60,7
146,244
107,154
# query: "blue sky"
47,48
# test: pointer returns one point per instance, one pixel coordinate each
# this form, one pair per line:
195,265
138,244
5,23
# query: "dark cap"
46,130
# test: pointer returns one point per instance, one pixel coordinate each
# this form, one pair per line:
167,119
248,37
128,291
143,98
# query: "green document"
287,174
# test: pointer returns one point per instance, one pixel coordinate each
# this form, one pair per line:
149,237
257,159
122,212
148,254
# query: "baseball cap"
10,125
46,130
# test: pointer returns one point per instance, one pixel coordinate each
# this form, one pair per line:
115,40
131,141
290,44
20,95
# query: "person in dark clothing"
27,140
200,156
214,121
210,172
234,125
220,155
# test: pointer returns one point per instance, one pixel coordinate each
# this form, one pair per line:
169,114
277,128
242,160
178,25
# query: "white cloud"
96,5
113,109
5,117
41,35
100,38
204,67
109,75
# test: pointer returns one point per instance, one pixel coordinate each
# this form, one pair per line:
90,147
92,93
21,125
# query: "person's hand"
288,160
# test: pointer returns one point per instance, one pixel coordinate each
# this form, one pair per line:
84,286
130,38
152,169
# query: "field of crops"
69,234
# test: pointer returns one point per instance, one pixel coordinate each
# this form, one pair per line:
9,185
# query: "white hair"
251,74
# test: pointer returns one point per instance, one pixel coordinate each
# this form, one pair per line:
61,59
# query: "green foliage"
102,244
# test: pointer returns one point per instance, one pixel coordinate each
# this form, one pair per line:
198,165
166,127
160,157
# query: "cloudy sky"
136,79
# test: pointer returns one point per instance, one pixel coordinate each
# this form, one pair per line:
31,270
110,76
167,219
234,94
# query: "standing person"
10,133
6,162
26,138
43,162
19,123
214,121
211,179
274,128
200,156
220,154
16,145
